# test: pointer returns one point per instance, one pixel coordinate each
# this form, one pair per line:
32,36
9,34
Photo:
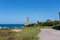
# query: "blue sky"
16,11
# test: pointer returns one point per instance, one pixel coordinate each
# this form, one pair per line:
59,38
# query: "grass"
47,27
27,33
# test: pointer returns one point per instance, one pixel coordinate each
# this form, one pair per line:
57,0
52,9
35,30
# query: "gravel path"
49,34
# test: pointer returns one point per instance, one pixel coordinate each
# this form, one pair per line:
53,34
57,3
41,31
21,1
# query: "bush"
52,23
48,23
30,25
57,27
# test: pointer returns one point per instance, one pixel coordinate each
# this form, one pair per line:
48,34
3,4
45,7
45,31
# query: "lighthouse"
27,21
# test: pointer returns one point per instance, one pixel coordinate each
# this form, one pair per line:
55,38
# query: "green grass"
27,33
47,27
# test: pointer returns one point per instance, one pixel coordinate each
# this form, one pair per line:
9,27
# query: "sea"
11,25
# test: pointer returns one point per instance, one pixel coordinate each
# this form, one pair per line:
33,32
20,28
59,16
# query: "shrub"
30,25
48,23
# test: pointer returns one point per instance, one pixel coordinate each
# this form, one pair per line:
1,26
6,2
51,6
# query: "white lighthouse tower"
27,21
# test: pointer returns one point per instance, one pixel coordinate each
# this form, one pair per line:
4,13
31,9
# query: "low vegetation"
27,33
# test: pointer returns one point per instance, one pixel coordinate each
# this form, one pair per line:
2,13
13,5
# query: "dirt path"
49,34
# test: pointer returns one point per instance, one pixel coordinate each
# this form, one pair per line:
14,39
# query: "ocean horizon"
11,25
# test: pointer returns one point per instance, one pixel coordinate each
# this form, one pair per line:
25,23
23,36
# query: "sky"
16,11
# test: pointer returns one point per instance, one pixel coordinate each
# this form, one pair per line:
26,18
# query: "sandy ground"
49,34
16,30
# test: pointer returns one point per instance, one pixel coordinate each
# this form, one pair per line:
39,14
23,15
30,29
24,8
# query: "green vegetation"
27,33
48,23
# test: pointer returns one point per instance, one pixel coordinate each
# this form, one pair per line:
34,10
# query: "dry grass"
27,33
